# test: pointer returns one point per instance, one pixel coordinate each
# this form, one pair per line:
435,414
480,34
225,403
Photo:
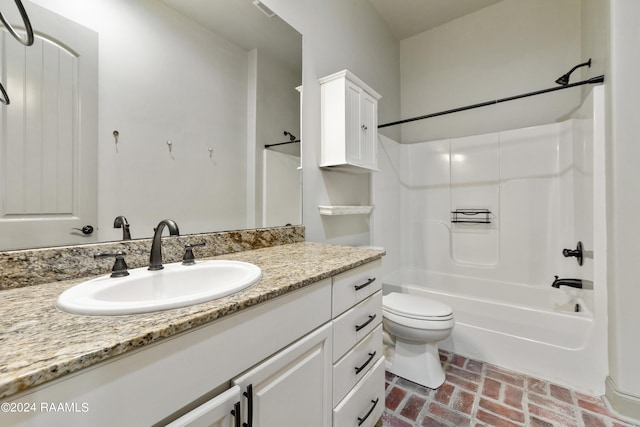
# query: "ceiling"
249,27
406,18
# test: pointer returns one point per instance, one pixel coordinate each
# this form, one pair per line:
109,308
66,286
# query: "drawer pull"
364,325
364,365
363,419
365,284
249,395
236,414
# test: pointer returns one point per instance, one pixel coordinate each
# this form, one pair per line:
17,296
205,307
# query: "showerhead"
292,137
564,79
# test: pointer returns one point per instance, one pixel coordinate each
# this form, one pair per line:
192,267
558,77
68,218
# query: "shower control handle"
577,252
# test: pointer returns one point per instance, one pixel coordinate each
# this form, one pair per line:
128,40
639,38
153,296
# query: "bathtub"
540,331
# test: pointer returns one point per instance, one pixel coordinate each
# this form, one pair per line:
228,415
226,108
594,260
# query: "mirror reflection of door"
48,160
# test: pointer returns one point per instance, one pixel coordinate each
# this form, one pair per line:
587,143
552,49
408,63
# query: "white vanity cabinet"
291,388
161,382
271,365
358,365
287,390
349,123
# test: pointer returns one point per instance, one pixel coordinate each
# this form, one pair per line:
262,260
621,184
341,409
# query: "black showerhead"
564,79
292,137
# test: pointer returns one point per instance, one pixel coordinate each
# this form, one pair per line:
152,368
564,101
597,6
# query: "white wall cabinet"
349,123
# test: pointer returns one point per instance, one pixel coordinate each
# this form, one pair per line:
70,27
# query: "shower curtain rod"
593,80
281,143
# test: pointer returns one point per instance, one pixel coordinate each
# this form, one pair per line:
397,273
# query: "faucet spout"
121,222
574,283
155,259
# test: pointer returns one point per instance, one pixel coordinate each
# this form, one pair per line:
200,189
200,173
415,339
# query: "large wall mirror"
148,109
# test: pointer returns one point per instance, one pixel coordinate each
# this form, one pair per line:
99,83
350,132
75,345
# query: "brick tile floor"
479,394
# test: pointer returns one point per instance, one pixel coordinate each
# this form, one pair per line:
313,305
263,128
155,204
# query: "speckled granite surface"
37,266
40,343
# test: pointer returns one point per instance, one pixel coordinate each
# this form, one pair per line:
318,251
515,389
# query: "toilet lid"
416,307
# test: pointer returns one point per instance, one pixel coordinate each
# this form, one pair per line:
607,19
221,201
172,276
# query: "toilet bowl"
415,325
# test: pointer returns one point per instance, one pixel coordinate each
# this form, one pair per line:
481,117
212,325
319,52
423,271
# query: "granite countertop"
40,343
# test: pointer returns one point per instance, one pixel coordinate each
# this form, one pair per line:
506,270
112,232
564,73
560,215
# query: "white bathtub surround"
543,186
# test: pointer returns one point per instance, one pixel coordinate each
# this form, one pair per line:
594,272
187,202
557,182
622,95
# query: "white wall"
509,48
623,175
339,34
386,195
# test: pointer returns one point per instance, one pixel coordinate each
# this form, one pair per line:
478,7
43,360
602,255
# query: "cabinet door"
221,411
361,127
368,131
292,388
353,123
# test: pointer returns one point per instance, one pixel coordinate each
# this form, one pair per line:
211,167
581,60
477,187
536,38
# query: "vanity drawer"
351,287
355,324
356,363
364,405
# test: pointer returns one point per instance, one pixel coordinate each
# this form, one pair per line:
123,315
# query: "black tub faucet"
155,259
574,283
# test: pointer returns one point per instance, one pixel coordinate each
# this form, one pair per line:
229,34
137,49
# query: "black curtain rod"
593,80
281,143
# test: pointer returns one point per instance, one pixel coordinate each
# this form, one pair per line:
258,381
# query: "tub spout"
574,283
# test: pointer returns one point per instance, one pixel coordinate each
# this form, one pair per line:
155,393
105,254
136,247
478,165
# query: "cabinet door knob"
364,127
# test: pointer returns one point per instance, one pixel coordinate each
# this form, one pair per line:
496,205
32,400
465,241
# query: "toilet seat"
414,307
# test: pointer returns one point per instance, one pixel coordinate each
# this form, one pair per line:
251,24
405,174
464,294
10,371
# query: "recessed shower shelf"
345,210
471,216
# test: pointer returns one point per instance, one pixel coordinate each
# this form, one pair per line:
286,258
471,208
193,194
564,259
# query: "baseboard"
626,406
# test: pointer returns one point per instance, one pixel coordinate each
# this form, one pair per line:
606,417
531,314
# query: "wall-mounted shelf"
345,210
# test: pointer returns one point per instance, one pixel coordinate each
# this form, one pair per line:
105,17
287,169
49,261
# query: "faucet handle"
188,257
119,268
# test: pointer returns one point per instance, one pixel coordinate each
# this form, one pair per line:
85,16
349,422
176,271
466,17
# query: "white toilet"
415,325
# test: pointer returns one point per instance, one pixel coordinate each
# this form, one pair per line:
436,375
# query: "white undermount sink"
144,291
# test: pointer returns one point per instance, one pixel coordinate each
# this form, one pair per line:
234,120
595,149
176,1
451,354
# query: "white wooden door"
292,388
48,134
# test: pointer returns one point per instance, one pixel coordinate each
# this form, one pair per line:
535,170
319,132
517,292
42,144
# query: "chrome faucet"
155,259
